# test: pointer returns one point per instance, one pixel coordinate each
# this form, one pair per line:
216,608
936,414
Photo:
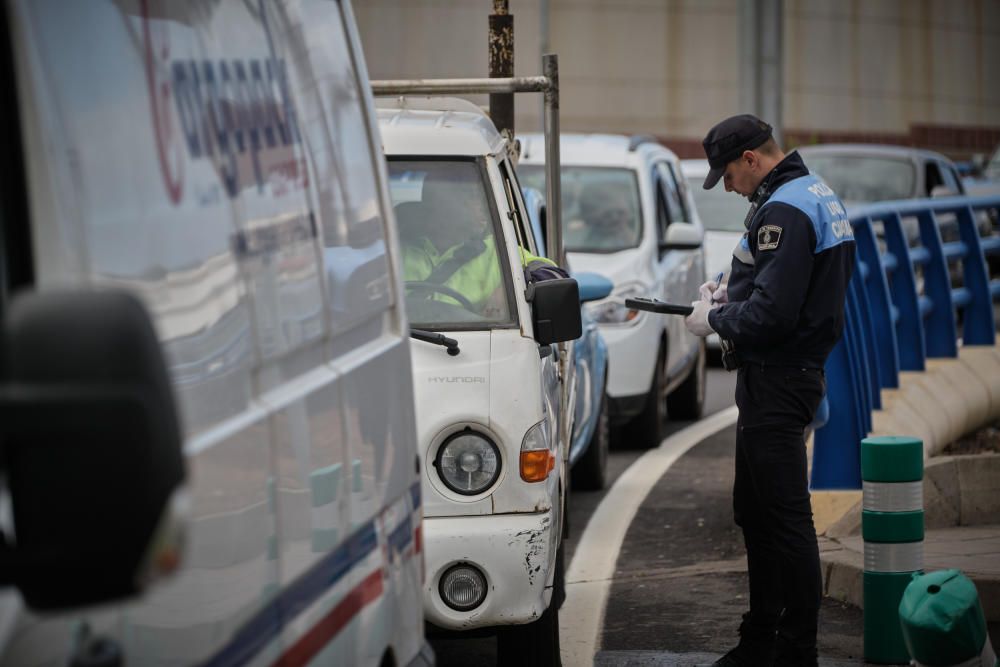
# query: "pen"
718,284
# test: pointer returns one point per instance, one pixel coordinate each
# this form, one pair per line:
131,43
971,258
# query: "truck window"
453,271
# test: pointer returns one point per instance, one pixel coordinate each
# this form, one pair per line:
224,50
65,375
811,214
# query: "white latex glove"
713,292
707,289
721,294
697,322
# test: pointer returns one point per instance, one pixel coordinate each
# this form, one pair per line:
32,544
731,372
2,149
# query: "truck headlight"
468,462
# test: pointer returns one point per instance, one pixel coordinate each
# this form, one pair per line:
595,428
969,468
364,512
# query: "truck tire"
534,644
688,400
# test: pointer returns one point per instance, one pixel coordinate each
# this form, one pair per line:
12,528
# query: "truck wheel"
534,644
589,473
688,400
645,431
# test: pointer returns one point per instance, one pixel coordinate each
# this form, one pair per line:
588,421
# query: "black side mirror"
90,444
555,310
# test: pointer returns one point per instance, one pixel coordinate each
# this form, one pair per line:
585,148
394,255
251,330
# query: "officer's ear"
750,158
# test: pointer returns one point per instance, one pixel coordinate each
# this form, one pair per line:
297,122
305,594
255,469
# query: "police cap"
726,141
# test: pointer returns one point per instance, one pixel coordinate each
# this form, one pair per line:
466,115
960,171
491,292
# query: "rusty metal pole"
501,58
553,181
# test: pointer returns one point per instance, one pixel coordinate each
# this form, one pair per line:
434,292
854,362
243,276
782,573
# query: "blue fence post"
876,287
978,327
903,287
940,322
865,311
837,446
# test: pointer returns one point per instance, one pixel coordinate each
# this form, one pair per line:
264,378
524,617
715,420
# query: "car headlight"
468,462
613,309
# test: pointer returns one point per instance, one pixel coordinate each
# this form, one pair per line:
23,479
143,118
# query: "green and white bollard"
892,525
943,622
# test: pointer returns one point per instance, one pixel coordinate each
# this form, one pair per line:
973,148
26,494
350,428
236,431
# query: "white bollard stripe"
894,557
892,496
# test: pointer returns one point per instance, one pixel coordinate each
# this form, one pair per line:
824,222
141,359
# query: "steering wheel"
421,286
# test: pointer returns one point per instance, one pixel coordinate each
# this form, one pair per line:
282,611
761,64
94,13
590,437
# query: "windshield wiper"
436,339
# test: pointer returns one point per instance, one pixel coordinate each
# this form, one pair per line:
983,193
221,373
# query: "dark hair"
769,147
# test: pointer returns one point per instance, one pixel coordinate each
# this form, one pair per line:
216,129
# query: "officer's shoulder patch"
768,237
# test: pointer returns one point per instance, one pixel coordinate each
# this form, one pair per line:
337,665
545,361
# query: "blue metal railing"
903,308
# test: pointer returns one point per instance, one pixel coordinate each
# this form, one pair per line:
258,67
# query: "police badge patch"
768,237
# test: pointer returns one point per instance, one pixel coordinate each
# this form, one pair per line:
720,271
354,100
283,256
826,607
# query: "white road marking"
588,579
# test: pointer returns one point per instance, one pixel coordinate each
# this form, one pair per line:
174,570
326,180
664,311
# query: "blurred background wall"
915,72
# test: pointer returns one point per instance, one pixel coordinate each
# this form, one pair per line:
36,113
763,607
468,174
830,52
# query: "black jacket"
786,300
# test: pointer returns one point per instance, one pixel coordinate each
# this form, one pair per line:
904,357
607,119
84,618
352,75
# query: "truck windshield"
452,273
600,206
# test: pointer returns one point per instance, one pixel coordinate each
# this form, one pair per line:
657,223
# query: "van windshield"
600,206
452,271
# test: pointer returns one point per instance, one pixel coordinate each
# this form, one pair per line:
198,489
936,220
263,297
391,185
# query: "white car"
628,214
493,434
722,213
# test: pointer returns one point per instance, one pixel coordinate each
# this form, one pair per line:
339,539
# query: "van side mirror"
682,236
91,448
555,310
593,286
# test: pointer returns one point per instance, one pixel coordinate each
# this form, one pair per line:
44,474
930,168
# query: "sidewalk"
962,519
975,550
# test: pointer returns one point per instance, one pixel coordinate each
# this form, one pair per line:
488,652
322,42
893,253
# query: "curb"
841,562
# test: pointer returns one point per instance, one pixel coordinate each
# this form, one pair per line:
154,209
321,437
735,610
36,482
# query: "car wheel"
688,400
589,473
534,644
645,431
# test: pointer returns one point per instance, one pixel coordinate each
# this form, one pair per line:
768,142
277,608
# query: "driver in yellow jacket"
450,251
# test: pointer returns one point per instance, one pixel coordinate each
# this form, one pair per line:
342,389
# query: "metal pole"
761,55
770,53
521,84
553,184
501,63
543,43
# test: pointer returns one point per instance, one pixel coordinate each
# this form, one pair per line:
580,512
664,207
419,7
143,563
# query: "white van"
215,165
629,215
494,441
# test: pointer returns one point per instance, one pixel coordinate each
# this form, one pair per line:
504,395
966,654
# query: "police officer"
782,311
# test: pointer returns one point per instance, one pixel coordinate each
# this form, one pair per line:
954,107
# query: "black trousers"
771,505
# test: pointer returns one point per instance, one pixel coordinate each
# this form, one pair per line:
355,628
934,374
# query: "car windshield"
865,178
451,267
601,211
720,211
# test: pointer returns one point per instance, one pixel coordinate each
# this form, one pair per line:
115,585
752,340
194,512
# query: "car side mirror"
942,191
92,448
682,236
593,286
555,310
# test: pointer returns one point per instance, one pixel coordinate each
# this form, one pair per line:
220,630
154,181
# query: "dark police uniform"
785,312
